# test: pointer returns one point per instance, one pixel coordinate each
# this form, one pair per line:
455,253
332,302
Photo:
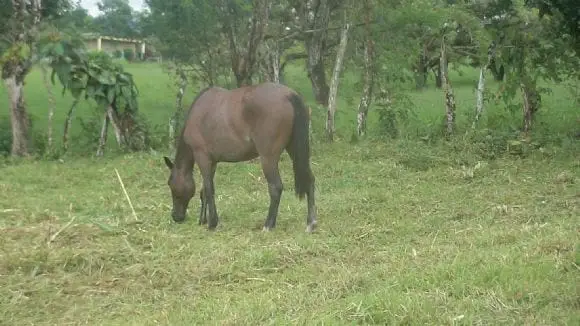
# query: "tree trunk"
481,84
114,120
172,127
67,124
531,104
272,62
317,75
244,54
316,17
174,120
422,70
330,128
498,73
51,105
22,33
368,80
275,64
448,90
479,101
103,135
18,116
437,73
421,73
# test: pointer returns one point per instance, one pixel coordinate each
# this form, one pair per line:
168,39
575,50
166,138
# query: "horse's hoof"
266,229
178,219
310,227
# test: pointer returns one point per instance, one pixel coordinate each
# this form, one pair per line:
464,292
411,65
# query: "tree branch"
294,35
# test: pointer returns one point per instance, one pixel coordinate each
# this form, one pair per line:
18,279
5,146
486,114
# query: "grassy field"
410,232
395,244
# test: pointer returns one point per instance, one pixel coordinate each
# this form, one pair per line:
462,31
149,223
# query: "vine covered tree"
20,23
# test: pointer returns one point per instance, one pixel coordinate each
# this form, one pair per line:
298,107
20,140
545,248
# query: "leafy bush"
394,110
37,138
129,54
140,134
89,137
5,136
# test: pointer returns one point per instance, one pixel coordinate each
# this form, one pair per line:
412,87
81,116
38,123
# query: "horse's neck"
184,158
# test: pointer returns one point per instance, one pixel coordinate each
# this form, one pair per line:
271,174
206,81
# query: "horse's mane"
182,148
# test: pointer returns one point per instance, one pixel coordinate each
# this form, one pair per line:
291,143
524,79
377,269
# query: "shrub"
129,54
140,136
118,54
394,110
37,138
5,136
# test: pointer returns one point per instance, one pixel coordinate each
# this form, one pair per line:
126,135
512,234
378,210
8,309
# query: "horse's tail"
300,147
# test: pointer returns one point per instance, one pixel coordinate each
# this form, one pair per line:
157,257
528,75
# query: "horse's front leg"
208,211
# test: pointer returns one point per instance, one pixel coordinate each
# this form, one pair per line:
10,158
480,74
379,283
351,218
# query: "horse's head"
182,190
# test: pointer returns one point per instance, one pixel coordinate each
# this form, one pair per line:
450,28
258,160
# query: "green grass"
442,245
410,231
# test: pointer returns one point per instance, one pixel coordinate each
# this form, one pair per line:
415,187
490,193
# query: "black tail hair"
300,145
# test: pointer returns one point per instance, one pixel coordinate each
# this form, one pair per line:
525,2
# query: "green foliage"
94,74
143,136
147,135
394,110
129,54
91,75
50,10
76,18
37,136
532,49
64,52
190,37
107,83
565,18
117,19
190,33
15,54
5,135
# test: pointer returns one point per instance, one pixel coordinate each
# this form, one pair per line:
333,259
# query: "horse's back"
241,123
268,100
269,115
266,95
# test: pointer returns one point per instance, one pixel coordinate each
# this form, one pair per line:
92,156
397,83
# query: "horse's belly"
235,151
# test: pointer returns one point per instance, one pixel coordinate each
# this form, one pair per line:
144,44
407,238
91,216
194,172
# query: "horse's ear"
168,162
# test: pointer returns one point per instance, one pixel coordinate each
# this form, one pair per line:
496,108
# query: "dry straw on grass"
127,195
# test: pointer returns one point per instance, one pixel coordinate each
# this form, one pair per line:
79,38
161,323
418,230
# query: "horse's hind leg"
311,217
202,208
275,188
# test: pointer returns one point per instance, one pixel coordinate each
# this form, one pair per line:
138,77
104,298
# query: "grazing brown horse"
239,125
